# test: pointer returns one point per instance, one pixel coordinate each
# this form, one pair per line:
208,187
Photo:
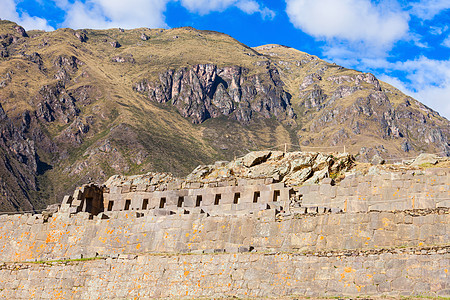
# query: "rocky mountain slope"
81,105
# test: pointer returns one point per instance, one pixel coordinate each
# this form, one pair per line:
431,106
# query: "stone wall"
230,197
388,191
27,237
404,272
366,235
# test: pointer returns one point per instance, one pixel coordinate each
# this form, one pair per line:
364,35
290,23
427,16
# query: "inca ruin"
269,224
144,160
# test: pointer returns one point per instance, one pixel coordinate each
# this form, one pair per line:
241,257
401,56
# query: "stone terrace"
266,225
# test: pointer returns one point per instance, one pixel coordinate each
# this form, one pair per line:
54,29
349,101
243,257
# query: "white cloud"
428,9
139,13
248,6
446,42
99,14
428,81
114,13
417,39
436,30
8,11
203,7
251,7
355,21
436,98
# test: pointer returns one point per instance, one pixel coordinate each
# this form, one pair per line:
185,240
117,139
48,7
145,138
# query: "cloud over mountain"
9,11
356,21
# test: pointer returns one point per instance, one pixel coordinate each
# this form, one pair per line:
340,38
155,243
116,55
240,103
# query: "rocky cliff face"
82,105
374,111
206,91
18,167
342,107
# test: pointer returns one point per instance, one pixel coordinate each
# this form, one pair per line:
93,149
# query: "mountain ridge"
102,102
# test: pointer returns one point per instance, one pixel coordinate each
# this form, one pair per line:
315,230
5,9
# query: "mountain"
81,105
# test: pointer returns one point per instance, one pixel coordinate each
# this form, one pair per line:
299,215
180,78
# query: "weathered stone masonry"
366,235
385,192
219,275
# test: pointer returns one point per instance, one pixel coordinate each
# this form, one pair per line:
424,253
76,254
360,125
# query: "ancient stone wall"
366,235
65,236
402,272
388,191
227,198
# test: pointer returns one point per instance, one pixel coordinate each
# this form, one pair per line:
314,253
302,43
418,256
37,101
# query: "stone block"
243,249
78,194
161,212
363,189
304,189
174,185
442,203
242,182
336,210
407,184
276,205
328,191
355,204
341,191
142,187
383,238
72,210
327,181
314,188
384,287
402,284
126,188
398,183
259,181
259,206
267,196
424,202
311,198
267,215
345,183
231,182
197,210
195,185
299,210
268,181
150,188
243,206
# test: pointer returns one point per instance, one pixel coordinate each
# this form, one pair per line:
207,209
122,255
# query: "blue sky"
406,43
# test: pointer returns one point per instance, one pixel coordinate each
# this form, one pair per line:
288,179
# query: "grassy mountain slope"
346,107
101,102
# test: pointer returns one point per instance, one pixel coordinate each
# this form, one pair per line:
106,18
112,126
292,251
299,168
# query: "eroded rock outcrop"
55,104
66,66
18,167
206,91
